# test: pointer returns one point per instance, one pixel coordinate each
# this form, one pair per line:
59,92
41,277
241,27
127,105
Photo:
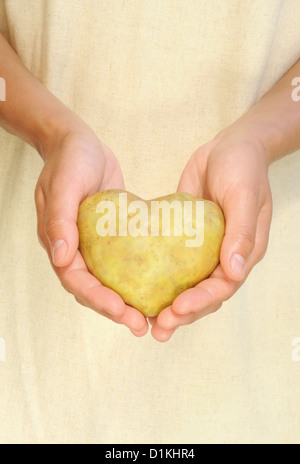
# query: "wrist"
265,137
56,127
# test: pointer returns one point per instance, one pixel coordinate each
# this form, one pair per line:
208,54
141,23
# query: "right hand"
76,166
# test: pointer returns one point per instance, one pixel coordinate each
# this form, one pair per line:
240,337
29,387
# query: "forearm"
30,110
274,121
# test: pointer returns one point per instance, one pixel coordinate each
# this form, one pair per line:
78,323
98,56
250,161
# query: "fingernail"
238,265
59,251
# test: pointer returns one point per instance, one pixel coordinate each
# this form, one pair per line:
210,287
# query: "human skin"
77,164
231,170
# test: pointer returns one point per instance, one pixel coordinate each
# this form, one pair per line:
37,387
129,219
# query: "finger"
97,309
161,335
209,294
241,212
61,210
133,321
76,279
212,291
140,333
168,319
91,293
40,211
262,233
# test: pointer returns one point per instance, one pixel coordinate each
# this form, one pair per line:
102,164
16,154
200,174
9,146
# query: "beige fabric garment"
155,80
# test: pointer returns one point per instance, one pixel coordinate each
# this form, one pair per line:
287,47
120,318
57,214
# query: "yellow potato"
149,271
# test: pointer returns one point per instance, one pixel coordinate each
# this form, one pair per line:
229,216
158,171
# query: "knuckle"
232,288
66,287
261,252
261,256
245,240
215,308
52,223
41,240
245,237
38,195
79,301
211,296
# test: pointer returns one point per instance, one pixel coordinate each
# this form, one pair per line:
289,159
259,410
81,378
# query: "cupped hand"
76,166
232,171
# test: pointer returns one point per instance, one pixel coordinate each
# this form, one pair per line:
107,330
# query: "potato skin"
148,272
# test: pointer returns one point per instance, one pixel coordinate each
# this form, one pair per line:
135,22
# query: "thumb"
61,224
241,220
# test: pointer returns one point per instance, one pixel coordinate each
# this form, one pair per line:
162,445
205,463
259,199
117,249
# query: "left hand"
232,171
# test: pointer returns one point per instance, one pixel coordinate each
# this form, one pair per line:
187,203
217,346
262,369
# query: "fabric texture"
155,80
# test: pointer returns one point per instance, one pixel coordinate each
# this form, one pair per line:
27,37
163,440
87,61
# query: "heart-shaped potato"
133,248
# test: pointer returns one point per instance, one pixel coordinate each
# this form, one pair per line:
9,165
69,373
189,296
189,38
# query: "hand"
77,166
232,171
